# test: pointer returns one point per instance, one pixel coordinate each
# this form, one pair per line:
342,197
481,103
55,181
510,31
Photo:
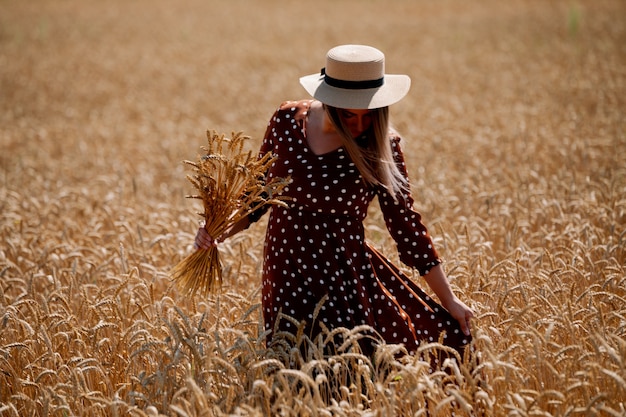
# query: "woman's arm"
438,282
205,241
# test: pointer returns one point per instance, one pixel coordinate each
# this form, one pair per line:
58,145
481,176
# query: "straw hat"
354,78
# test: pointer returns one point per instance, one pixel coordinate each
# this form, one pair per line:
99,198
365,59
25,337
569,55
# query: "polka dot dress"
316,250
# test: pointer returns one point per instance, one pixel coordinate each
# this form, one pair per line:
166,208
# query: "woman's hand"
462,313
204,240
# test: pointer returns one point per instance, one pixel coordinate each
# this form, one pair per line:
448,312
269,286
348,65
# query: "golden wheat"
514,136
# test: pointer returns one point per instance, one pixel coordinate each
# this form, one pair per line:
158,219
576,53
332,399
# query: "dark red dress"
316,248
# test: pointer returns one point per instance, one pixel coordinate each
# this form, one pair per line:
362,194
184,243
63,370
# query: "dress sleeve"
266,146
414,244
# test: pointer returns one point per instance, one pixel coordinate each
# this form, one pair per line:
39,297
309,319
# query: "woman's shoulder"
290,115
298,108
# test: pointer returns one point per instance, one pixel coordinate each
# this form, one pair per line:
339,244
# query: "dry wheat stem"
231,184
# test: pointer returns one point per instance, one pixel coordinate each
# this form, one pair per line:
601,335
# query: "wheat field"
515,135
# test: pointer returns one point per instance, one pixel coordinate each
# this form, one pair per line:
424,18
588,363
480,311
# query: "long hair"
372,156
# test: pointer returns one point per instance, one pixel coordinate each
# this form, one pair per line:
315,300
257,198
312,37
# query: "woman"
340,153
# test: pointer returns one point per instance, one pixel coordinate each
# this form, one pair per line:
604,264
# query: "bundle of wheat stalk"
232,184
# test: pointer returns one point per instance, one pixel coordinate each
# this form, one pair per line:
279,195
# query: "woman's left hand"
462,313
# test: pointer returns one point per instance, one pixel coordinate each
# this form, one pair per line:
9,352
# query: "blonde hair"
374,158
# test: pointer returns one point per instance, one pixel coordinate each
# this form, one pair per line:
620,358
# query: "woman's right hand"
204,240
